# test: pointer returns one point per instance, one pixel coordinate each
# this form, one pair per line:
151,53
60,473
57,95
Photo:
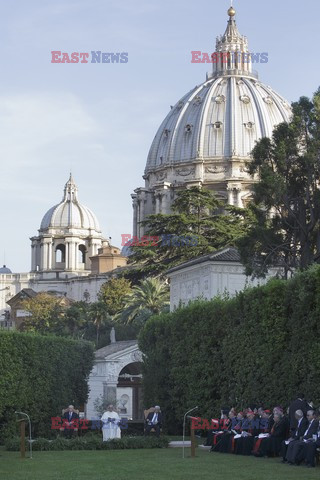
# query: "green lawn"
154,464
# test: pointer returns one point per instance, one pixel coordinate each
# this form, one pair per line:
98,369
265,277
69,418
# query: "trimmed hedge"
40,375
261,346
92,443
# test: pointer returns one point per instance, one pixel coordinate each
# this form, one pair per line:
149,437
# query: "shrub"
89,443
40,375
261,346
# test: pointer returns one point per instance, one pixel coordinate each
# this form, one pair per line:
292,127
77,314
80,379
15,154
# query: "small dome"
5,269
70,213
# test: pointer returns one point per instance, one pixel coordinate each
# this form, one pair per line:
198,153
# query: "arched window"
60,253
82,254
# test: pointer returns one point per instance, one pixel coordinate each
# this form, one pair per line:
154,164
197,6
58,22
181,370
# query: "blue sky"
99,119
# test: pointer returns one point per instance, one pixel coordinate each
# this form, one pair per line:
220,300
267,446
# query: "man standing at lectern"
154,420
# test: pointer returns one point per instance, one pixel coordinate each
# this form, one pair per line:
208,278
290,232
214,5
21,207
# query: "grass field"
155,464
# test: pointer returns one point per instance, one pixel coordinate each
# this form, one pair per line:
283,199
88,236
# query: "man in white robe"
110,424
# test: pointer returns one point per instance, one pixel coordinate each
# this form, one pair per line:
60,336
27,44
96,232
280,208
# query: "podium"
192,437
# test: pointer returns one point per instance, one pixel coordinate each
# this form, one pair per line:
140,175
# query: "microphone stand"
30,439
184,427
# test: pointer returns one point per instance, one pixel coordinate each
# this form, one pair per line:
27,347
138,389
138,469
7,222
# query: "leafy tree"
113,294
45,313
81,320
198,216
149,298
286,203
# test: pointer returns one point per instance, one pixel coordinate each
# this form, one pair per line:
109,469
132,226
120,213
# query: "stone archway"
119,359
129,391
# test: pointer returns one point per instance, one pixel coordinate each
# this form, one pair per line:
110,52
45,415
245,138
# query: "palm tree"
76,319
99,315
149,298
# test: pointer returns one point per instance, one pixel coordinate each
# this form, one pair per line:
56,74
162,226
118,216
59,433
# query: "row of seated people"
70,419
264,434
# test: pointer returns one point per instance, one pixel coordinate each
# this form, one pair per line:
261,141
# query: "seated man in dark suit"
70,421
154,421
308,451
297,434
295,447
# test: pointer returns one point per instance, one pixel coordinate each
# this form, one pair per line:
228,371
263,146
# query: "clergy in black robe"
215,436
225,443
271,445
244,445
265,427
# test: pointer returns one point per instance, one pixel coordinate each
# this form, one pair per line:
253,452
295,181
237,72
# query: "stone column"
33,257
138,219
67,256
238,201
50,255
44,259
142,214
166,203
199,170
76,256
158,202
230,195
135,214
71,255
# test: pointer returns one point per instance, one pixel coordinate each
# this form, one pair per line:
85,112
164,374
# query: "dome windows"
220,99
82,254
197,100
188,128
249,125
166,133
217,125
268,100
60,253
245,99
